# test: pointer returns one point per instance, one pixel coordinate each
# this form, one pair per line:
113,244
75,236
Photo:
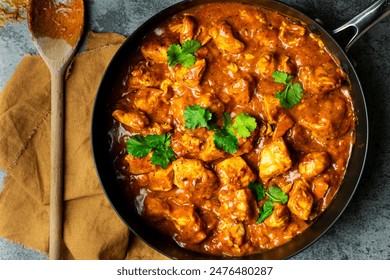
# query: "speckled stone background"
363,231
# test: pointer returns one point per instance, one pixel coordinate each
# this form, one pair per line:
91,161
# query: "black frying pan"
114,75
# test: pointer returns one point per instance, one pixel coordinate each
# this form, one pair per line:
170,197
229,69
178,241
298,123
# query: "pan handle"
361,23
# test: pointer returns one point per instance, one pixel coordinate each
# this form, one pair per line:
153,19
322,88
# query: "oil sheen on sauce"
212,213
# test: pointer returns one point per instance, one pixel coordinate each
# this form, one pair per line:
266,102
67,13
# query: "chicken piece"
256,235
320,186
267,38
274,159
191,76
223,37
313,164
232,70
253,17
144,75
178,105
271,108
132,118
187,28
328,119
191,173
188,224
234,173
202,36
279,217
209,151
231,234
179,89
266,65
166,87
241,90
266,130
155,49
300,200
149,101
189,142
320,79
285,65
155,208
206,100
235,204
302,139
291,34
245,145
284,123
156,128
140,165
141,180
161,179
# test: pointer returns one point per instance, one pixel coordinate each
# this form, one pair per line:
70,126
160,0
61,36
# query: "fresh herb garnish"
244,125
183,54
265,211
196,116
258,190
274,194
292,94
225,138
140,146
162,157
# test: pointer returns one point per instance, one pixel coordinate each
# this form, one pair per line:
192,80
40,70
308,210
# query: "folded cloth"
92,229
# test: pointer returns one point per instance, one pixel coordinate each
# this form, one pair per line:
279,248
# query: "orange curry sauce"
202,199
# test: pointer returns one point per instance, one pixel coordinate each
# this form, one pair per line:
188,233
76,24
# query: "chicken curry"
233,130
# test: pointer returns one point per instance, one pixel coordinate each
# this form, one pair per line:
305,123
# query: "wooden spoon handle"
56,163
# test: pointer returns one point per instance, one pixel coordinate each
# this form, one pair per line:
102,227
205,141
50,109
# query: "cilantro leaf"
225,140
154,141
183,54
227,119
190,46
295,94
265,211
187,60
173,52
137,146
162,157
292,94
167,141
281,77
244,125
258,190
196,116
276,194
140,147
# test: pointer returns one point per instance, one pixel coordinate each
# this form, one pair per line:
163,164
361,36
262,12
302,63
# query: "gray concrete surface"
363,231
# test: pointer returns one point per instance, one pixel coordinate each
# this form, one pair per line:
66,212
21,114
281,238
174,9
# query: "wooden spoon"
56,27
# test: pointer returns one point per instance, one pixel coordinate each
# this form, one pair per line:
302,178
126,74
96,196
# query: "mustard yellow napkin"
92,230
